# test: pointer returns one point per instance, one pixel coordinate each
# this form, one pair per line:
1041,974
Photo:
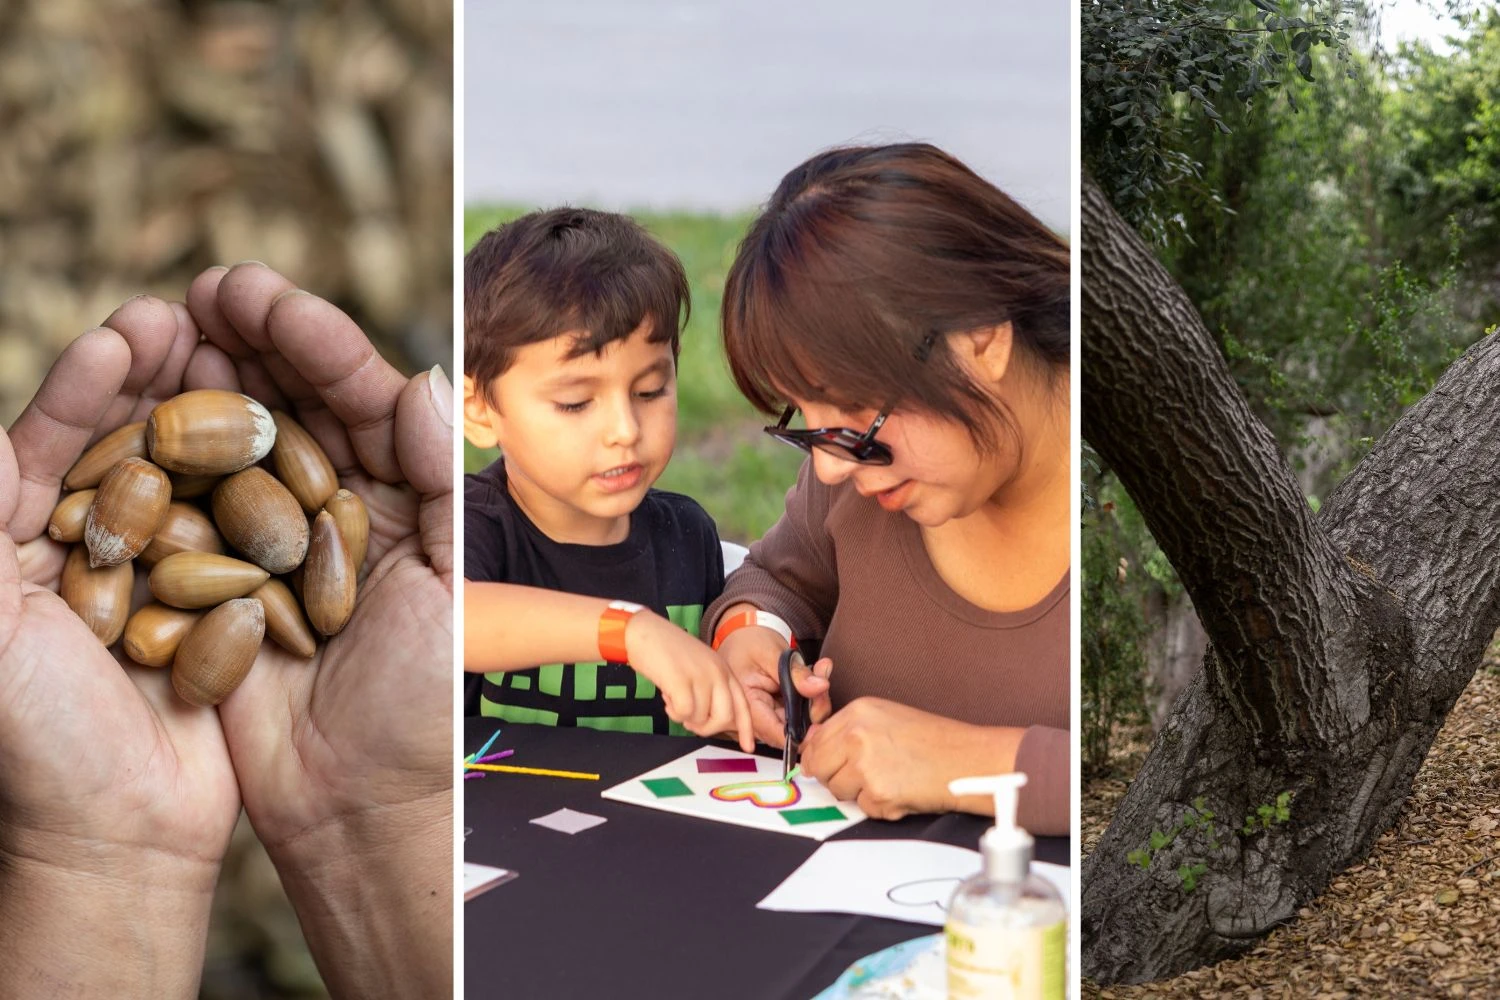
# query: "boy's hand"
695,682
117,799
753,654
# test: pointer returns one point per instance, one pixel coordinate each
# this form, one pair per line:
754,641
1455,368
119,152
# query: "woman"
917,318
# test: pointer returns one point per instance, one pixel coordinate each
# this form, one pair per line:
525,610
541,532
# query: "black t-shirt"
670,562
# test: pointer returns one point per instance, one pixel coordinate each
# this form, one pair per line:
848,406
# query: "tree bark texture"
1338,641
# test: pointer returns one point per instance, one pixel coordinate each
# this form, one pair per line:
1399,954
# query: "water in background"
671,104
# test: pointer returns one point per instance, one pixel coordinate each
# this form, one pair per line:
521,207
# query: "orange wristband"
745,618
612,630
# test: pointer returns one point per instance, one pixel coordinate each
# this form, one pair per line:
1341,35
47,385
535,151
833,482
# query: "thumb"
424,449
815,682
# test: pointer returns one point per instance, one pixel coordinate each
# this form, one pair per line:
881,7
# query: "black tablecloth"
651,904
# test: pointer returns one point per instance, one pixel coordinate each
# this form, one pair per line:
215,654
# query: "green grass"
723,461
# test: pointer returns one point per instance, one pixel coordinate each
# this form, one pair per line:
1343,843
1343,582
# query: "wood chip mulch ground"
1420,917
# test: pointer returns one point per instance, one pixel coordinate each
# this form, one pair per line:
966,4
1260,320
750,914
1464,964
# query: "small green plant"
1266,816
1199,819
1189,875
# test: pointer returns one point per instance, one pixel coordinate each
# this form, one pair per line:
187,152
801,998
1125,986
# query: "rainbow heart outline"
741,791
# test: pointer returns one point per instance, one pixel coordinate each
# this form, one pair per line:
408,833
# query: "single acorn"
69,517
203,579
129,506
189,487
262,519
301,464
328,578
153,633
208,432
101,597
218,651
284,620
186,529
353,519
110,450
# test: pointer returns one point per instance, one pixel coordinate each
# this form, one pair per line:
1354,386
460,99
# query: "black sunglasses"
839,441
844,442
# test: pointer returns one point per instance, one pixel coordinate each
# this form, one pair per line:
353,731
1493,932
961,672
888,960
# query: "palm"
137,767
95,753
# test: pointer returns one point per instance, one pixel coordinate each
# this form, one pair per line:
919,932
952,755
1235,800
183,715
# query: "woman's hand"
117,799
893,760
753,654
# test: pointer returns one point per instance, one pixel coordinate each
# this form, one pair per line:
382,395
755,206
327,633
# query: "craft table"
650,904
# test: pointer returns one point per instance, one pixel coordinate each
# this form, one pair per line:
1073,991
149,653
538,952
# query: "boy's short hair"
564,269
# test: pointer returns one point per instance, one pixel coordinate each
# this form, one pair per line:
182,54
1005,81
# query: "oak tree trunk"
1338,642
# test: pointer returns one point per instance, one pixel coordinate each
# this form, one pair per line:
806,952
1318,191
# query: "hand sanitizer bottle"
1007,928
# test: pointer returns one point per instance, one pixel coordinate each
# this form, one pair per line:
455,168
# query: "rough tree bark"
1338,641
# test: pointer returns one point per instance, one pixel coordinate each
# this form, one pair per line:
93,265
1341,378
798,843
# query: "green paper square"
520,682
821,814
666,788
614,692
550,679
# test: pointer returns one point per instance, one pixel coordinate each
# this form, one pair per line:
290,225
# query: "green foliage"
723,461
1268,815
1198,828
1113,668
1446,108
1342,253
1149,70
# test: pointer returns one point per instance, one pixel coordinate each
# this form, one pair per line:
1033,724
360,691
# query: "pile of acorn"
131,499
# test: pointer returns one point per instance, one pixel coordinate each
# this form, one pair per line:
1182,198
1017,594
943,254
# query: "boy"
572,561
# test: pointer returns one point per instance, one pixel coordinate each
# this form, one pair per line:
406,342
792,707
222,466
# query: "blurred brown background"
144,140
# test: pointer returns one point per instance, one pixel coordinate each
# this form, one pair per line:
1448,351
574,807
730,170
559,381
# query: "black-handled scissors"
796,709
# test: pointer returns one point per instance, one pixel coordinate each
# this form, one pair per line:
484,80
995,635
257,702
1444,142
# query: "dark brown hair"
866,253
566,269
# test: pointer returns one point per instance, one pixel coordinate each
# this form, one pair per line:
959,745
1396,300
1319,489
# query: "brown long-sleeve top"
840,569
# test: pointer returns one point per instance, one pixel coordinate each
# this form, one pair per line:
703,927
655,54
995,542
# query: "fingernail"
442,393
257,263
288,294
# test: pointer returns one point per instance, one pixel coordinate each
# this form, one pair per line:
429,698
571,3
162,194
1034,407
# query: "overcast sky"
686,104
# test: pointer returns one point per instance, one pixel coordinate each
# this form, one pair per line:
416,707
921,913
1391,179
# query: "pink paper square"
719,765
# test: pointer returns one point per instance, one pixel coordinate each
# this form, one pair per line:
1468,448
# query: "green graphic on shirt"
546,695
516,713
586,681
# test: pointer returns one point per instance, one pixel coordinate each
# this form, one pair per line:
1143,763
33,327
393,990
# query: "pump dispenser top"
1007,848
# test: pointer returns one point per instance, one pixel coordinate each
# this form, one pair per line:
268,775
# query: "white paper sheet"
569,821
901,879
478,878
696,800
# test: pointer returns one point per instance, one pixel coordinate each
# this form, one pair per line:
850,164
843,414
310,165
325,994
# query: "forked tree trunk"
1338,641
